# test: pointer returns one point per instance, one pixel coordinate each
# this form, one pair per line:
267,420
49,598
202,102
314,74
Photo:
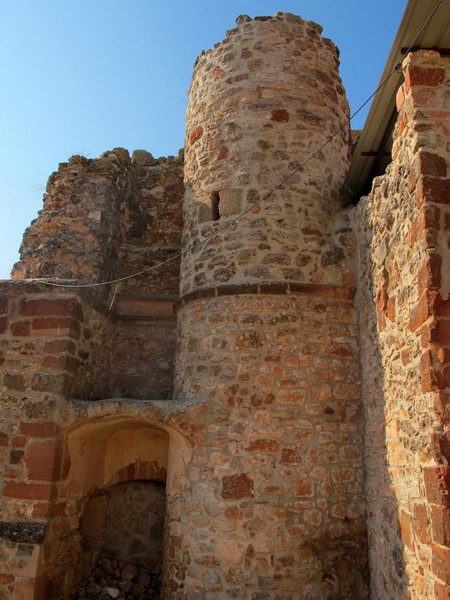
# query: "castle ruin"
265,415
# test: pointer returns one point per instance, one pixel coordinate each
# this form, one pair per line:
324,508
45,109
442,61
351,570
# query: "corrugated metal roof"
372,150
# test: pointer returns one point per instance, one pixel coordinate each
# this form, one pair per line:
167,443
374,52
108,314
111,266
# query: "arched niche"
110,460
110,449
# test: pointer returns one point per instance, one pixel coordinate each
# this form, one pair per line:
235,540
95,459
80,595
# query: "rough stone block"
304,488
23,532
440,524
20,328
437,484
51,307
40,461
237,486
56,326
27,491
416,75
39,429
440,562
3,324
435,190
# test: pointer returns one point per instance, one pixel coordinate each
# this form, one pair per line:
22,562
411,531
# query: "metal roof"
372,152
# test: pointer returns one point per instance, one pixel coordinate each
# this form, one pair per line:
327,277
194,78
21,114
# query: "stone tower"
267,358
249,449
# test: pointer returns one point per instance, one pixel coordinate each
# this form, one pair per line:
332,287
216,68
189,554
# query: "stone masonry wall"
134,524
122,216
146,332
81,217
403,300
273,503
144,355
151,225
253,117
261,446
53,345
60,345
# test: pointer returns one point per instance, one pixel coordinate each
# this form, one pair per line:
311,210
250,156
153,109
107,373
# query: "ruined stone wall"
146,333
273,503
53,345
403,301
80,218
151,225
60,345
121,216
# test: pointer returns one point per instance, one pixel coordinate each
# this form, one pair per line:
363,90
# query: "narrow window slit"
215,206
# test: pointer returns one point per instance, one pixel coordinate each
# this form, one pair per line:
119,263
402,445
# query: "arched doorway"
120,471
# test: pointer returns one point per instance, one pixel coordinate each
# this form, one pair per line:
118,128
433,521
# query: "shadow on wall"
122,531
386,549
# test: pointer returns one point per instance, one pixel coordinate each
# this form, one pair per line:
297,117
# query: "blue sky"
85,76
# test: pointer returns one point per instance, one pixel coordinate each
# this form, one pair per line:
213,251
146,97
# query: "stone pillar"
273,501
403,235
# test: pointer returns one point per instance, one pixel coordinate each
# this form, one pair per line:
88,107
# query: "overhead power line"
230,223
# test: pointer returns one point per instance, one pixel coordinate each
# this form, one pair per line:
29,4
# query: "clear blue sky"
85,76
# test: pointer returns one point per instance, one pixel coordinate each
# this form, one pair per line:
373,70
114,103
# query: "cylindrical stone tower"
274,506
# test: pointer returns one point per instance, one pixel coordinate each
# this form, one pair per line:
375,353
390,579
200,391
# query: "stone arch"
109,444
106,446
139,470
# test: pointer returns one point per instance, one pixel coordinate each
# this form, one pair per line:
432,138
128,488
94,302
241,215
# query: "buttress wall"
403,235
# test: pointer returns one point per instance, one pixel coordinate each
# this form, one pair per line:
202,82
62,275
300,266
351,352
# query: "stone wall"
151,225
261,446
54,345
56,467
267,330
403,300
134,524
277,463
102,219
145,352
56,342
253,118
122,216
81,217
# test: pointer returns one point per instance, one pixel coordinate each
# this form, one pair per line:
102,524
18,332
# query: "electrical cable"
424,26
255,204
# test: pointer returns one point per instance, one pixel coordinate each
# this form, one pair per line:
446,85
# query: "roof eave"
436,34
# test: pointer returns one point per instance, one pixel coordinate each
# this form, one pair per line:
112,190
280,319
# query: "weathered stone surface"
291,410
403,286
266,343
237,486
242,138
25,532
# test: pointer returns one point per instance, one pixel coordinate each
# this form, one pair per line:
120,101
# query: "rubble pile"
121,579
